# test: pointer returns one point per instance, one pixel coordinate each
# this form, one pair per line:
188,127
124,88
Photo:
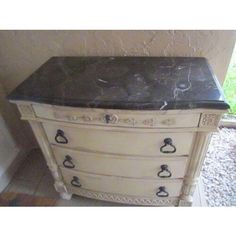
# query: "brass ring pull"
110,118
168,141
107,118
164,169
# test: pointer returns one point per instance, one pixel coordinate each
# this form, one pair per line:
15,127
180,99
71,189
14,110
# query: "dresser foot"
185,203
66,196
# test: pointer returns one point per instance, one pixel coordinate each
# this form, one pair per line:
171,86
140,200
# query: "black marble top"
145,83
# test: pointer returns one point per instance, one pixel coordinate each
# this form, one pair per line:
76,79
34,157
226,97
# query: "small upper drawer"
120,118
126,166
142,142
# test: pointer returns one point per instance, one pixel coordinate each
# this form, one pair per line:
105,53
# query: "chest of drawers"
128,130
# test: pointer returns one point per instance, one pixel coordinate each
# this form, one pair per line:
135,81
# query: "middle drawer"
138,142
124,166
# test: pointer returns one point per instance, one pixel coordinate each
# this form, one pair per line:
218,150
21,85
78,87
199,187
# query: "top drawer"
119,118
139,142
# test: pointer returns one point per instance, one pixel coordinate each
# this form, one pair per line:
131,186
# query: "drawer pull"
168,142
164,172
107,118
162,192
75,182
60,137
68,162
110,118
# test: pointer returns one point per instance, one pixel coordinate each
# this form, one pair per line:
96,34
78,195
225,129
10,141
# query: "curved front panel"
140,142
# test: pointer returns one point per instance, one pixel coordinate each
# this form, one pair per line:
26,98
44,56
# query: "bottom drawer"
120,185
130,200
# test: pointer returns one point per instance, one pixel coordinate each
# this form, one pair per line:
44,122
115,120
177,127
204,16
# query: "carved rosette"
26,111
129,121
168,122
74,118
149,122
210,120
84,118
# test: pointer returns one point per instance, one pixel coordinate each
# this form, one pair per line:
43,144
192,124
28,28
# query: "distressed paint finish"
62,183
190,142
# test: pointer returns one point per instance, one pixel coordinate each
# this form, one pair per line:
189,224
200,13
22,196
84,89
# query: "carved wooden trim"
149,122
49,156
185,203
195,164
168,121
115,119
26,111
132,200
149,119
128,121
71,118
209,120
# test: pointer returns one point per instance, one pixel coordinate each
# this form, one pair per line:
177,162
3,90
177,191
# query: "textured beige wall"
21,52
13,141
10,117
8,146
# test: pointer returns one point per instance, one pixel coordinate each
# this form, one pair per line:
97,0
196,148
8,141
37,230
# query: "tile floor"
33,177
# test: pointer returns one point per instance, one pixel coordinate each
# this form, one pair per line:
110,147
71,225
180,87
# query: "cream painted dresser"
132,130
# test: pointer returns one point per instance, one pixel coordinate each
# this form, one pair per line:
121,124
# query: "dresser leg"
194,167
50,159
66,196
185,203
